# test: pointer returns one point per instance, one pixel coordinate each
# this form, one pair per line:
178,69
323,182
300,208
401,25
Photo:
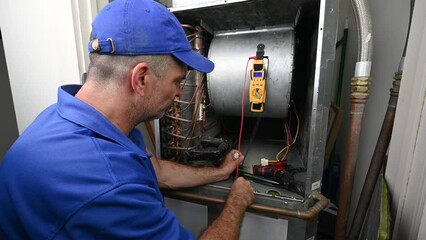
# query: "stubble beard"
153,112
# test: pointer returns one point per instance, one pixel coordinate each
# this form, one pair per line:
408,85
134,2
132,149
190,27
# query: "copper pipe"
376,161
199,78
358,100
184,131
183,137
183,148
359,96
178,118
312,212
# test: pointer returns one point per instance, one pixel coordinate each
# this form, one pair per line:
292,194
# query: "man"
81,171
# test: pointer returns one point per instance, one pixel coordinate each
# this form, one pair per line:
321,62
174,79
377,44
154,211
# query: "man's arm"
228,224
174,175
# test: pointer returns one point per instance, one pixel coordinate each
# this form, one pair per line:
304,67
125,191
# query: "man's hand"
241,193
230,161
174,175
228,224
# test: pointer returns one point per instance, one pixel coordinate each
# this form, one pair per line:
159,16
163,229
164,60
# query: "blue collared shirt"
73,175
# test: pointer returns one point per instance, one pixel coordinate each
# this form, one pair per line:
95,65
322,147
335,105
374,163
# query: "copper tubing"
183,132
359,96
322,202
358,100
199,78
376,161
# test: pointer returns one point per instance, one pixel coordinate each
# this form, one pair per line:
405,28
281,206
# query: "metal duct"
230,52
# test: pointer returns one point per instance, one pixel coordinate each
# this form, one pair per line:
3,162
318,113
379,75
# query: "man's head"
105,69
141,48
131,89
143,27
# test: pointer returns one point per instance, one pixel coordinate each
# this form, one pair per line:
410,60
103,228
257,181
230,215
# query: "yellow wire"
298,123
295,137
282,150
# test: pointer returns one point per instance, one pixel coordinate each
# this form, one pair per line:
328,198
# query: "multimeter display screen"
257,74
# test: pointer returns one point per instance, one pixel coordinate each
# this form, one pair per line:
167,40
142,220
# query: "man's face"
166,89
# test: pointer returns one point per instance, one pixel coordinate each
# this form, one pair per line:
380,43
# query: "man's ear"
139,78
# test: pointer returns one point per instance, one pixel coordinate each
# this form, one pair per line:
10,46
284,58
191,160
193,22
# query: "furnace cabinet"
269,95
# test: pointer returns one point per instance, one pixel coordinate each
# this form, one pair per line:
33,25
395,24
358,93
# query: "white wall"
390,25
40,49
45,45
406,168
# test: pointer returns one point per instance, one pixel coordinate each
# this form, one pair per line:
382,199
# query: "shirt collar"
81,113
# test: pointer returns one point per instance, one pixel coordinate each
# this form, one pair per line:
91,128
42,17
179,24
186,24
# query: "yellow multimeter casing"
257,91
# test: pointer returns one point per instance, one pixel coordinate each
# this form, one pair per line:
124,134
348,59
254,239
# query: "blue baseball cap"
143,27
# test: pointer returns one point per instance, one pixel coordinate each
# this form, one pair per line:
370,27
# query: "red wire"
242,113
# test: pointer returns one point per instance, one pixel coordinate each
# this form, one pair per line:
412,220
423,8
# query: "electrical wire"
286,148
295,137
289,141
298,123
242,113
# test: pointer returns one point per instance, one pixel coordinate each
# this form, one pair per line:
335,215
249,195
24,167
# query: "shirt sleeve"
130,211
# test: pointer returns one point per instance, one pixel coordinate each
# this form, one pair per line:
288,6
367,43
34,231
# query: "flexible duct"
364,29
359,94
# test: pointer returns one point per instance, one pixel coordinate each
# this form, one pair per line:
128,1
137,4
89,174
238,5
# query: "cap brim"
195,61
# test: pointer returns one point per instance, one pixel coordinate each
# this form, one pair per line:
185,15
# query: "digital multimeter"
257,90
257,86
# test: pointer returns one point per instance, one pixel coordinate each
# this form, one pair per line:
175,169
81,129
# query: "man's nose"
179,91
